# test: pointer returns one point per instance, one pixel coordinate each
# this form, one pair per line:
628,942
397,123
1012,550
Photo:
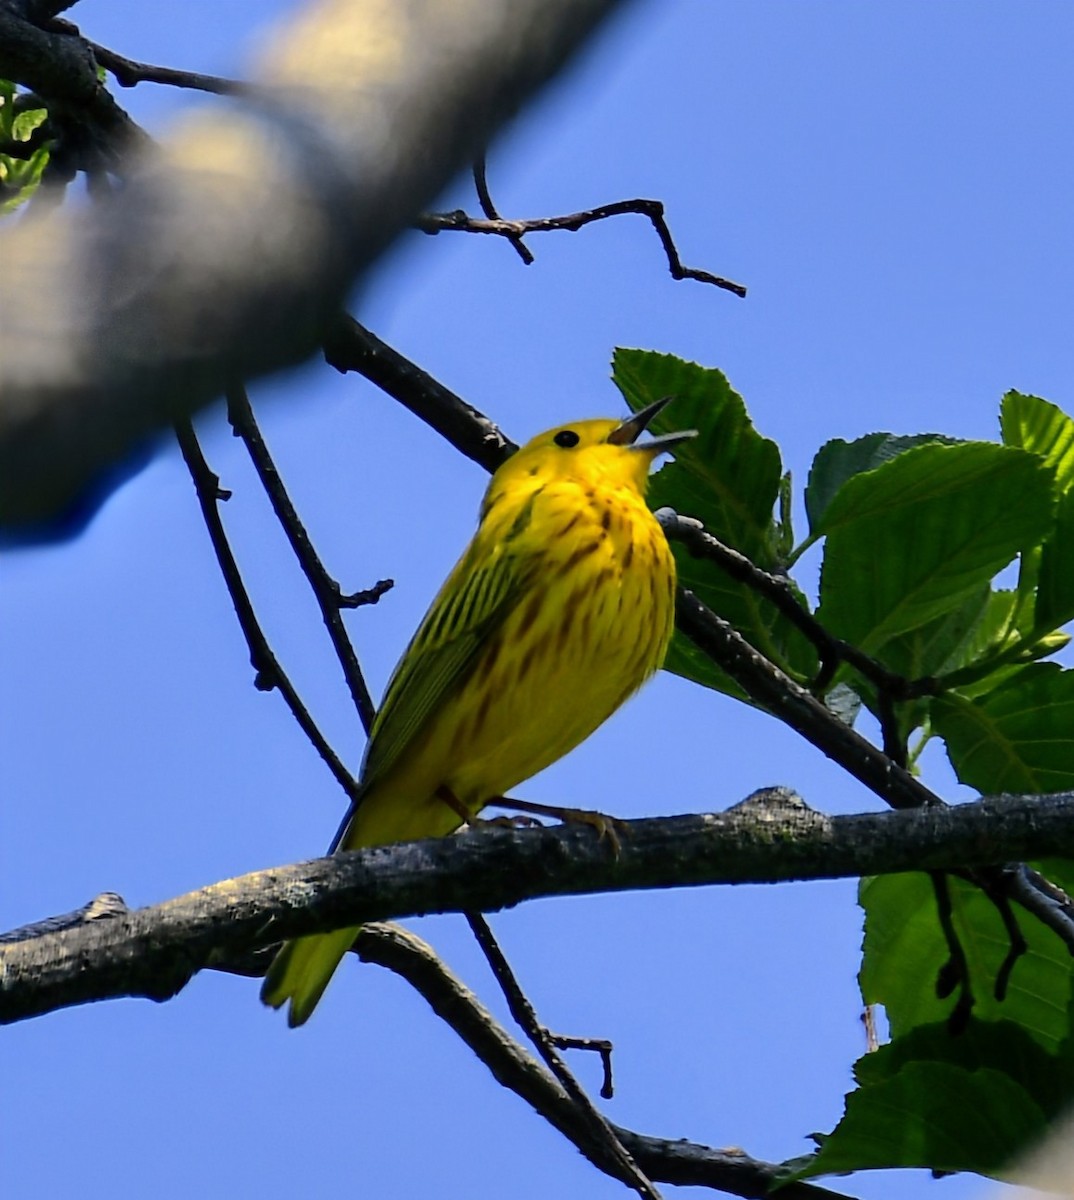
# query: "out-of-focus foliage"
24,151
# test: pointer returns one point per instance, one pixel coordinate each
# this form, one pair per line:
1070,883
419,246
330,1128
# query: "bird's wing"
469,608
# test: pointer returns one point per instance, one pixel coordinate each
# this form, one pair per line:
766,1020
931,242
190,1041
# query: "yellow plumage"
560,608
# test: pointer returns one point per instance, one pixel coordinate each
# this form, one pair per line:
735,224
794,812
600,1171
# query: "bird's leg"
606,826
444,793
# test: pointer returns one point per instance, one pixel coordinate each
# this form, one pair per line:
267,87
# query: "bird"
559,609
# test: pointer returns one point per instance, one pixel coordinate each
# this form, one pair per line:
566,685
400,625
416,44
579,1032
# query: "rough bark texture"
772,836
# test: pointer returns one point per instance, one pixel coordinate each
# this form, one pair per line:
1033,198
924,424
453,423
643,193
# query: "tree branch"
615,1160
228,252
514,231
484,198
771,837
774,691
676,1162
351,347
268,674
326,591
129,73
778,591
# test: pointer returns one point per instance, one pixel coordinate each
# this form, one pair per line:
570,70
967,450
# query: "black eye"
566,438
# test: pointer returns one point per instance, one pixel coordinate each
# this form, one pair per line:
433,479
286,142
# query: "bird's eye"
566,438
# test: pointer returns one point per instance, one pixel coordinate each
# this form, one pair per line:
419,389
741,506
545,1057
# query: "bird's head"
599,452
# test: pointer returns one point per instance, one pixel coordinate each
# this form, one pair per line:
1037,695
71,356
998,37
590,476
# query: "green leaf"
917,536
904,950
952,639
7,109
1031,423
21,178
26,122
729,475
837,461
1016,737
970,1102
996,1045
1036,425
1055,582
936,1115
729,478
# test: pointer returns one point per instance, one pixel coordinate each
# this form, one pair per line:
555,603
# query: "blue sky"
892,182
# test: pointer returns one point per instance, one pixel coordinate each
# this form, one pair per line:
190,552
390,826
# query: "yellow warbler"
560,608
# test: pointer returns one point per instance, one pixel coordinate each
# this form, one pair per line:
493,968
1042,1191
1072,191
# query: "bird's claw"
606,826
518,821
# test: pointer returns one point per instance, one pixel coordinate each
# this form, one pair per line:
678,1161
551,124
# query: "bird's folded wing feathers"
470,607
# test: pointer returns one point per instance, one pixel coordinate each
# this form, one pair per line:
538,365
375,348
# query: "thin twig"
268,672
600,1046
129,73
868,1021
1016,942
653,210
615,1161
955,973
484,198
1044,900
365,596
326,590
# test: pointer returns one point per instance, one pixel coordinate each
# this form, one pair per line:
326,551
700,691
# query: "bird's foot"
518,821
473,821
605,825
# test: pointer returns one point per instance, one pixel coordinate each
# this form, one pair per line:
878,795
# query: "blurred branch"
228,252
771,837
677,1162
268,674
515,230
327,592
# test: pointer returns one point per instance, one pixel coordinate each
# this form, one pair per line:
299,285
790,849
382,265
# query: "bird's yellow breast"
592,624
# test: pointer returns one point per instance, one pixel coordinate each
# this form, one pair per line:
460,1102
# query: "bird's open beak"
632,428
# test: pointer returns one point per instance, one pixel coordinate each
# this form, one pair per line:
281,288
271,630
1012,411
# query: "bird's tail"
301,970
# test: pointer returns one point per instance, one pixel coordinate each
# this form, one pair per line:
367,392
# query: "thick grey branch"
227,254
771,837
